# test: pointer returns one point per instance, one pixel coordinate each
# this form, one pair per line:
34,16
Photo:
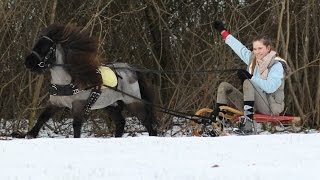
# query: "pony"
70,54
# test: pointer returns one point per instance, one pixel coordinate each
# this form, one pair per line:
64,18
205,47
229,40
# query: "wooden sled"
233,115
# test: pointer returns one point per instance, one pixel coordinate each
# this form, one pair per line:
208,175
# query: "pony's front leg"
48,112
78,117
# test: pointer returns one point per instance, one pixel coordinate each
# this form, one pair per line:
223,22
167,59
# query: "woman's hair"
265,41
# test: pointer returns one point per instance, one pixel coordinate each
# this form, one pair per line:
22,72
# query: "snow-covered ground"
256,157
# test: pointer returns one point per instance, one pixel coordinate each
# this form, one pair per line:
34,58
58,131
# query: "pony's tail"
148,95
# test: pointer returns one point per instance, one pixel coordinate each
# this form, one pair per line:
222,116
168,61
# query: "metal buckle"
75,91
55,91
41,64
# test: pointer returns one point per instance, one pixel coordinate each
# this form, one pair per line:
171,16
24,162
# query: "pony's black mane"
80,50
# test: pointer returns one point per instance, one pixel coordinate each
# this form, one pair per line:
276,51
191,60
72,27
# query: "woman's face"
260,50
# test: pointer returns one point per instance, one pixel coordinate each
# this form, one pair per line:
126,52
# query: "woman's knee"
225,88
224,85
247,85
247,82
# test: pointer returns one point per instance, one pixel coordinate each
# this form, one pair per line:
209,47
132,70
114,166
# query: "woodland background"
169,35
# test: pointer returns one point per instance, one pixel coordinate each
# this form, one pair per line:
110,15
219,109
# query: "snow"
256,157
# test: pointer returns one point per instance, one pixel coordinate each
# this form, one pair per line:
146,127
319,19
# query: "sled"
232,116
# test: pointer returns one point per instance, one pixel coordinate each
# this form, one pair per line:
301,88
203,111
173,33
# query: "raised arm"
243,52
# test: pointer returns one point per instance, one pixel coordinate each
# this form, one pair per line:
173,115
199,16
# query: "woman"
263,82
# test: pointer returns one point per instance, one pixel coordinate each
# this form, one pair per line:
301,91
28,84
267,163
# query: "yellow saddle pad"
109,78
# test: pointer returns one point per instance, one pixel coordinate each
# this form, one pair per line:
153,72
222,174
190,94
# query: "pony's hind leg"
78,117
48,112
115,114
145,115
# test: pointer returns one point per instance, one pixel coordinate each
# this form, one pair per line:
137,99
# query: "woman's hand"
243,75
219,26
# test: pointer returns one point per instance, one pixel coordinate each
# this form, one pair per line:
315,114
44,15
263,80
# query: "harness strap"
63,90
94,95
71,89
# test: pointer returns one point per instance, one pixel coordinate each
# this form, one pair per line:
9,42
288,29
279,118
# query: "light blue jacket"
276,71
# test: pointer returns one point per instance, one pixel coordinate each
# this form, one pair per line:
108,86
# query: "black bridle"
45,61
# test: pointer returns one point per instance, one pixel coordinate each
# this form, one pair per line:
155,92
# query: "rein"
165,110
144,70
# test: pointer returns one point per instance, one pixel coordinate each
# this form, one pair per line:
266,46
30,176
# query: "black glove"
218,25
243,75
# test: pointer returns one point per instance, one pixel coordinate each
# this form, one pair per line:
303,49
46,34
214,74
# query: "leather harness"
69,89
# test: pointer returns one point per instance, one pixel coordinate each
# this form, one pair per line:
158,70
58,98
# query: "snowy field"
257,157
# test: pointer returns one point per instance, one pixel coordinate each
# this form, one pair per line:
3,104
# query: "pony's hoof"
118,135
18,135
30,136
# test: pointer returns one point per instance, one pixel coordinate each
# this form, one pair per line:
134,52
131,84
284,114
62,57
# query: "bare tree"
165,36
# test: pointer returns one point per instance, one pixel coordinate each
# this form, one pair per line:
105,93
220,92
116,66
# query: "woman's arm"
273,81
243,52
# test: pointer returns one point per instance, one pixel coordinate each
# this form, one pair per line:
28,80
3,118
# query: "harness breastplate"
71,89
63,90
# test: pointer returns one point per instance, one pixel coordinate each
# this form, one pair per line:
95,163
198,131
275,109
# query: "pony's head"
79,53
42,55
